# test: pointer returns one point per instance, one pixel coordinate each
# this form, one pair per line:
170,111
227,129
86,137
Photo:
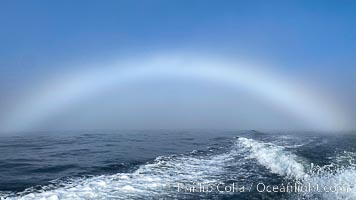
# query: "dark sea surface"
165,164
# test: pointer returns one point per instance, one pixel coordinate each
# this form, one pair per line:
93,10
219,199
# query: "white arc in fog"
310,108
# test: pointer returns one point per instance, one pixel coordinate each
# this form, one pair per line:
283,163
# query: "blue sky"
294,31
314,41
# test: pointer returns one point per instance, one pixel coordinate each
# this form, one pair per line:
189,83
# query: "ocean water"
178,165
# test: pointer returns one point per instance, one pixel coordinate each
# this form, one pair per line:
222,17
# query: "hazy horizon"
177,65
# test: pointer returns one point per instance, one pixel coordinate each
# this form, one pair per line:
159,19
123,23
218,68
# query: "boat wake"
334,181
159,178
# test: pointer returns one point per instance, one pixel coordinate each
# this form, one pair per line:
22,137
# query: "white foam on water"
160,178
157,179
339,184
335,181
274,158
